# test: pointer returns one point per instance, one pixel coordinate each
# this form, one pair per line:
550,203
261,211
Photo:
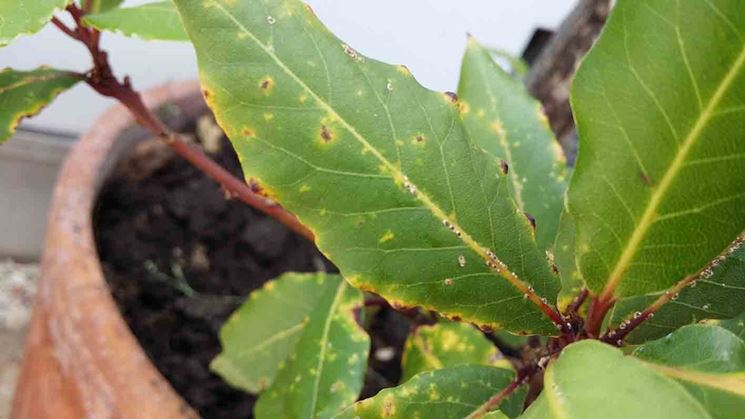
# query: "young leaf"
98,6
591,378
657,191
720,296
25,93
447,393
264,330
326,368
502,117
151,21
377,166
445,345
24,17
708,361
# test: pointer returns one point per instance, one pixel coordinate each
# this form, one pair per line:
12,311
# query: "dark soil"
180,258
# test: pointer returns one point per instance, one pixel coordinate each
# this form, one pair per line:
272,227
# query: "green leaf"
24,17
98,6
708,361
151,21
495,414
736,325
24,93
264,330
538,409
446,345
447,393
377,166
571,281
657,191
720,296
326,368
502,117
591,379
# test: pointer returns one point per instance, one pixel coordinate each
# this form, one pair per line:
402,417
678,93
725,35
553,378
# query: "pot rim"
80,358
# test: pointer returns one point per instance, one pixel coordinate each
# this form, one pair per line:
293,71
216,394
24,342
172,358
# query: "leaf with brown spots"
397,215
508,123
24,93
446,393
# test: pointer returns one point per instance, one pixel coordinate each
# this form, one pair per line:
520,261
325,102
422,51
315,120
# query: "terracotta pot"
81,360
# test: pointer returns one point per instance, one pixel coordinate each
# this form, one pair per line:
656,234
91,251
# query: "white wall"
426,35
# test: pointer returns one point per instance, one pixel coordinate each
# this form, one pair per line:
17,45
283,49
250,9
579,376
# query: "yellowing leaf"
25,93
377,166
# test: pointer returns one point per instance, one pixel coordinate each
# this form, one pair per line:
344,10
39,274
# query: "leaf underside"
590,377
151,21
25,93
657,191
719,296
708,361
379,167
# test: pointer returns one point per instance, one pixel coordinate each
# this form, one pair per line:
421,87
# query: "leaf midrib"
650,214
35,78
324,337
394,170
730,383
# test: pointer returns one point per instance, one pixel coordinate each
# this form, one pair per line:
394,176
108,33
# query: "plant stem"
103,81
61,26
598,309
574,306
496,399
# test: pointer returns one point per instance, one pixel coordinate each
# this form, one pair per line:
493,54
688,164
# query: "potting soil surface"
180,257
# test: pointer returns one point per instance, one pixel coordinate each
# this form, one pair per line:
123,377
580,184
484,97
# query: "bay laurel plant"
630,275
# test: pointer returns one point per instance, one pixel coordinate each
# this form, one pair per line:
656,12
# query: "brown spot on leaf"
419,139
206,93
451,96
266,84
645,178
247,132
504,168
326,134
531,219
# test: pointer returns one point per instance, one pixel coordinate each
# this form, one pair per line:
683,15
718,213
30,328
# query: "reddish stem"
598,309
103,81
58,23
618,335
573,307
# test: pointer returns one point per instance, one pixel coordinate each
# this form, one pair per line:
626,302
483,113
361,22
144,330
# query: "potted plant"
457,210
